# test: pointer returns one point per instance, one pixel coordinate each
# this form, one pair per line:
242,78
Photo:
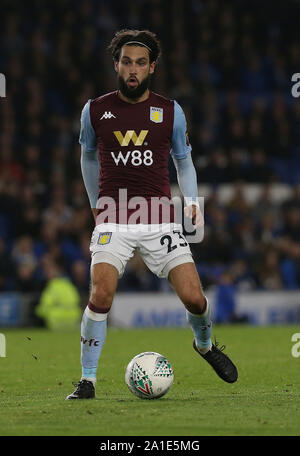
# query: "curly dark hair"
146,37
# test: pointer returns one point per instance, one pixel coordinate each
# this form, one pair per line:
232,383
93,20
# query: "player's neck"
144,97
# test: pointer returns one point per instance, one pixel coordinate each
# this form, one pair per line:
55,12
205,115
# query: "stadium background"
230,67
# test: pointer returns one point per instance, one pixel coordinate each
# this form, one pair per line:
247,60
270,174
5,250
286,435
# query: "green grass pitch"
39,367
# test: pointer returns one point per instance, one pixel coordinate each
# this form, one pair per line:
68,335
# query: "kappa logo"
131,135
107,115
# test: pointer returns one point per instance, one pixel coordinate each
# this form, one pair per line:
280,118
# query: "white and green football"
149,375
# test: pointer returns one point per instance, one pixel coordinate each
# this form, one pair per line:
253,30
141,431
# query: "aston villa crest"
156,114
104,238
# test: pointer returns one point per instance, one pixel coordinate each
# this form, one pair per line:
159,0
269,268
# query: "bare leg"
185,281
104,280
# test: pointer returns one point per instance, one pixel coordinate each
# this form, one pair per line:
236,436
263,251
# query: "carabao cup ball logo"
141,380
149,375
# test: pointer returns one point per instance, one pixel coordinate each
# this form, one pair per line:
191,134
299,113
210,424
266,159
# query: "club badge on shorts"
104,238
156,114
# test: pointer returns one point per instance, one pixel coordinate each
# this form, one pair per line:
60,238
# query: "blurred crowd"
229,65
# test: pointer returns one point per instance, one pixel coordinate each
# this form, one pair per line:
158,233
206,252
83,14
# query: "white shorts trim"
107,257
181,259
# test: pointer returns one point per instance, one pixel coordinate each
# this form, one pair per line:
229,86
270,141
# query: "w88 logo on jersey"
135,157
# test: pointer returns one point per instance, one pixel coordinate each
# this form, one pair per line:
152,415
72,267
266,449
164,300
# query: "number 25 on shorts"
167,239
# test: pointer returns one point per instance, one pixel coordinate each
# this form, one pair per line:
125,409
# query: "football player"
126,138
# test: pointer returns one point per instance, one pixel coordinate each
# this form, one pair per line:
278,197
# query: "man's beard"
133,92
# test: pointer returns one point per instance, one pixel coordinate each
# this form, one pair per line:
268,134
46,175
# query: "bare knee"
101,297
104,278
194,302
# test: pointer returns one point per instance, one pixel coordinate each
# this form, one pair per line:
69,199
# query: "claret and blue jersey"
127,145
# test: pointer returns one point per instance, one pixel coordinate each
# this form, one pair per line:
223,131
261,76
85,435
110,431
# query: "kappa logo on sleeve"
104,238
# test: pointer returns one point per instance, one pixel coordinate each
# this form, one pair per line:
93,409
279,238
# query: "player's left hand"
193,212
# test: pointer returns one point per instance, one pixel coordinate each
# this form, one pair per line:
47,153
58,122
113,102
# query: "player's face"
134,70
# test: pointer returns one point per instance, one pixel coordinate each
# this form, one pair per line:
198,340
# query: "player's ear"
152,67
116,65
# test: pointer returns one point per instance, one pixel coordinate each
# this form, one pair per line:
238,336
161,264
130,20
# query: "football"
149,375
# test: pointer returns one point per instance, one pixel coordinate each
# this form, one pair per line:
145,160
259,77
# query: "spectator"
268,270
225,300
59,305
80,275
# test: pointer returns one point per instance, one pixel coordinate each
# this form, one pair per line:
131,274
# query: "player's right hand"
193,212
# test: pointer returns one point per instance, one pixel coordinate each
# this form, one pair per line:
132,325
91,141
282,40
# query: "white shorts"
162,247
